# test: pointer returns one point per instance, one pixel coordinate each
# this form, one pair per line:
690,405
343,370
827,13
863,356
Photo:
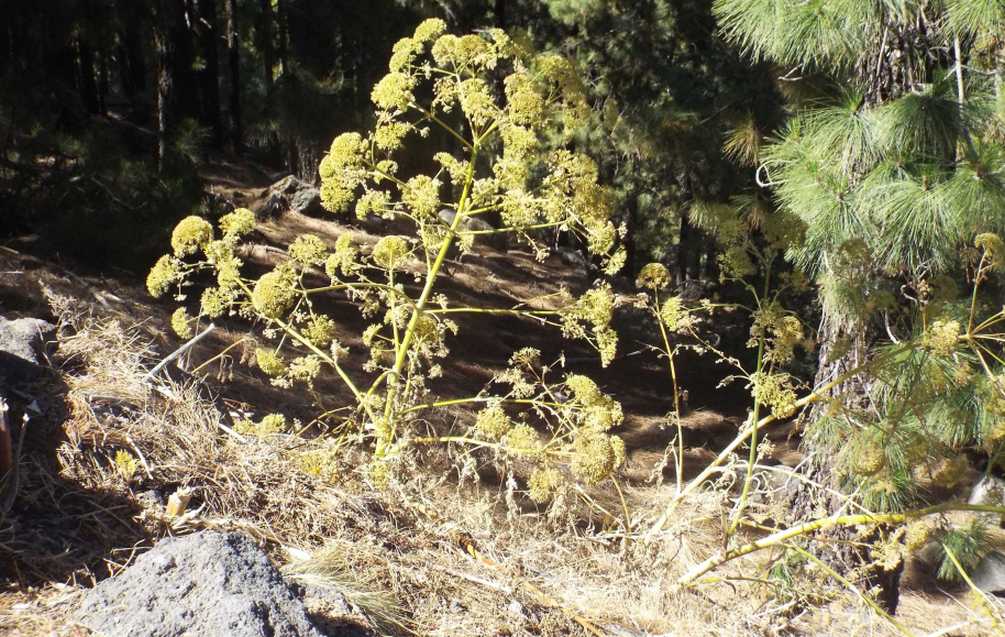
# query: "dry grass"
433,555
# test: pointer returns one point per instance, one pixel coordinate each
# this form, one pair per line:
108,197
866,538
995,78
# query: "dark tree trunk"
265,36
210,76
185,77
499,9
167,15
687,237
132,67
711,261
234,67
632,262
283,27
87,83
103,83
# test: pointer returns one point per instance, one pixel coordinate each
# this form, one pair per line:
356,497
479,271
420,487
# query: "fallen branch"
178,352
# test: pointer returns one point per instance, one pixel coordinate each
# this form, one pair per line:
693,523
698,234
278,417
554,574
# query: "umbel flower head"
275,292
237,223
308,249
181,323
165,273
390,251
596,456
942,337
994,249
270,362
543,483
653,276
493,423
190,234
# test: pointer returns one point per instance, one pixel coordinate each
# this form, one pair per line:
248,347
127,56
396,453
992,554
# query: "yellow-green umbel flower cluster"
390,252
342,171
776,392
181,323
919,534
165,273
275,292
540,95
238,223
942,337
594,310
993,247
268,425
308,249
393,92
344,260
592,408
493,423
543,483
270,362
422,196
596,456
653,276
673,314
191,234
523,440
320,331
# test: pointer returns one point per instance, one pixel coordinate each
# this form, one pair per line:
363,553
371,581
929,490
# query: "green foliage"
497,104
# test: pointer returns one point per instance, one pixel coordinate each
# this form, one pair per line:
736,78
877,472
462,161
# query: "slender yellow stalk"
820,524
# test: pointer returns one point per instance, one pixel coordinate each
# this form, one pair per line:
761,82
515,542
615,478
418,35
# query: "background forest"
768,233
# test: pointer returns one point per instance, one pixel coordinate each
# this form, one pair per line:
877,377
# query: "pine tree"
893,159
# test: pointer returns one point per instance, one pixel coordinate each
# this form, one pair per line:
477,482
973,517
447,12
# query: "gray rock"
475,224
24,345
989,576
290,194
208,584
988,490
306,201
467,223
26,338
574,259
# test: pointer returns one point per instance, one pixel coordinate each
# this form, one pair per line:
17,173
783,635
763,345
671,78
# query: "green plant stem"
401,354
754,417
289,329
868,601
485,310
506,229
813,397
448,128
478,399
990,607
435,440
679,468
820,524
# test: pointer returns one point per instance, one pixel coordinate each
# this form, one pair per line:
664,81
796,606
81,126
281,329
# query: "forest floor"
452,548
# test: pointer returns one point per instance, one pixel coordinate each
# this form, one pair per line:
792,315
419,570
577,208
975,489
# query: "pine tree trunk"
132,67
686,238
234,66
88,83
282,24
164,45
265,45
210,75
103,82
842,548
